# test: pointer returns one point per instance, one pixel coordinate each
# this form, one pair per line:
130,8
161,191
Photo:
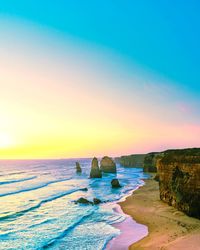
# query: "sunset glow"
62,95
5,141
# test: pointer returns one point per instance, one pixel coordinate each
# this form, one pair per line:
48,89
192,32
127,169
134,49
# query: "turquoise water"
37,208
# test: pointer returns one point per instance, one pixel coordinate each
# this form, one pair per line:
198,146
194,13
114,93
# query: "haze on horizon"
79,79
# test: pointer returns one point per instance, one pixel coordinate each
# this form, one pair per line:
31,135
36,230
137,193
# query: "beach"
168,228
131,231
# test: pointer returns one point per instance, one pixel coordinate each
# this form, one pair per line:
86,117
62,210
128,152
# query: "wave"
107,241
40,166
21,172
41,223
5,236
19,180
15,215
33,188
11,173
66,231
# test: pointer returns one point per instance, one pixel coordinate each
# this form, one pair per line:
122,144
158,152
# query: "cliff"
150,162
135,160
179,180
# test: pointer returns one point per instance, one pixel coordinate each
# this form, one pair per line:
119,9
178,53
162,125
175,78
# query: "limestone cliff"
150,161
179,180
134,161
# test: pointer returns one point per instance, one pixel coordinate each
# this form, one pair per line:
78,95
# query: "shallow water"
37,208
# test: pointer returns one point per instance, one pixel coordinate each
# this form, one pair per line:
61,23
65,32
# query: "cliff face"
135,160
179,180
150,162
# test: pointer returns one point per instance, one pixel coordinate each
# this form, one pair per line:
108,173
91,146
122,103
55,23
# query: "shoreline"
169,229
131,231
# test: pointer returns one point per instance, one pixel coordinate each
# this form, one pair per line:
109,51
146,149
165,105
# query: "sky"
93,78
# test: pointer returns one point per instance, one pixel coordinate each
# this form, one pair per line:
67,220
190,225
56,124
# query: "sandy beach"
168,228
131,231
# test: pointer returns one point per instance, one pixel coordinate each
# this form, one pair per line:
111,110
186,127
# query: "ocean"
38,209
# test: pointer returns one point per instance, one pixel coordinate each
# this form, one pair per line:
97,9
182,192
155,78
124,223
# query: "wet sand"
168,228
131,231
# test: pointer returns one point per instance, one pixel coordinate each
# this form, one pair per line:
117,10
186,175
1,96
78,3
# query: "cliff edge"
179,180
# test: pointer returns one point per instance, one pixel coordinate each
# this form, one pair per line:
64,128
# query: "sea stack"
95,171
107,165
78,168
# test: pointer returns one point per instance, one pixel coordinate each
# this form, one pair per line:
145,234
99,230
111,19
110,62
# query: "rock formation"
156,178
150,162
84,201
115,183
96,201
179,180
95,171
107,165
78,168
134,161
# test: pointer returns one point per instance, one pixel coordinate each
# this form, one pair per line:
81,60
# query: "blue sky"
162,36
84,78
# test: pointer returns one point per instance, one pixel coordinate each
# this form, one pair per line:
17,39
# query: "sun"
5,140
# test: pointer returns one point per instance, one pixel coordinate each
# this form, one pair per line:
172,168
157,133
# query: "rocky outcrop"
78,168
85,201
96,201
150,162
107,165
132,161
115,183
95,171
156,177
179,180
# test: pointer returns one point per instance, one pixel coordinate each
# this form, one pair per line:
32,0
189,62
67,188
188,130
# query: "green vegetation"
189,155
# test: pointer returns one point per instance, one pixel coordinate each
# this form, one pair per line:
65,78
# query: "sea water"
38,209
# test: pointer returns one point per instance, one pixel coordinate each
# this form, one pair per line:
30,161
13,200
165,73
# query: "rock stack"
78,168
107,165
95,171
